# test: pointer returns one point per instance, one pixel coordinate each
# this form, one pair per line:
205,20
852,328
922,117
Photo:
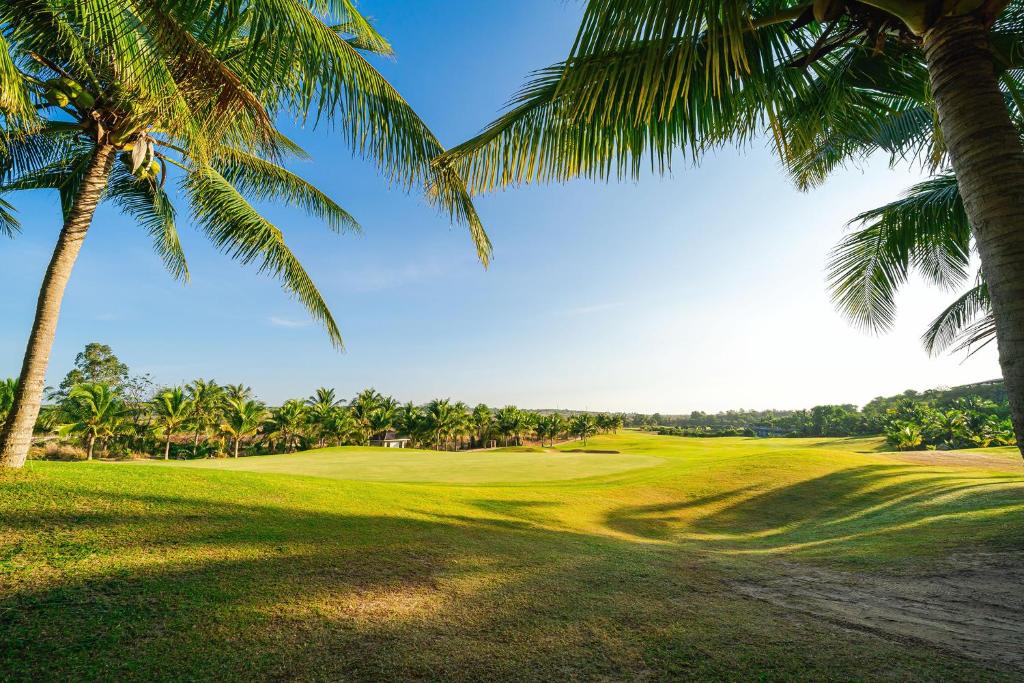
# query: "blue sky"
700,291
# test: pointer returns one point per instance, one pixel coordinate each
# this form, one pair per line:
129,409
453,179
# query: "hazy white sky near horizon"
703,291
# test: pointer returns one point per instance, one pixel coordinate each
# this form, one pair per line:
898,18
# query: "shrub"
55,450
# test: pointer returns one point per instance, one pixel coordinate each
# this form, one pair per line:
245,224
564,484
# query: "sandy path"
994,461
973,605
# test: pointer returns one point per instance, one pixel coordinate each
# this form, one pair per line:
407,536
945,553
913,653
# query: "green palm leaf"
926,231
265,180
147,203
965,323
237,229
9,225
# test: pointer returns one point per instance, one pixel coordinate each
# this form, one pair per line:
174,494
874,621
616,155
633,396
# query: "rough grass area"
674,566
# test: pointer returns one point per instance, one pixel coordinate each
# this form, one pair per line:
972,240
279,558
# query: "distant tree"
321,413
207,398
95,364
7,389
288,421
93,411
441,421
363,406
342,428
409,420
509,422
237,392
242,418
582,426
172,409
482,419
550,427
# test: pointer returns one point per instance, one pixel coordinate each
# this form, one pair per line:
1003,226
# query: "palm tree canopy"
188,95
172,407
649,78
93,409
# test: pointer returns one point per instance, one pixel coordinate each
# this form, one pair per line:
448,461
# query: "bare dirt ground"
972,604
994,461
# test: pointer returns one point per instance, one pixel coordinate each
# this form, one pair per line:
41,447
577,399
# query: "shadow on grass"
188,588
850,513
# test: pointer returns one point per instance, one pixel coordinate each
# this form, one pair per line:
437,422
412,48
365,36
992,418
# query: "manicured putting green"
409,465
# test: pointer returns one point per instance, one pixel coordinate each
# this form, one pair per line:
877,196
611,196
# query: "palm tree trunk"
167,448
92,445
16,437
988,159
195,445
238,442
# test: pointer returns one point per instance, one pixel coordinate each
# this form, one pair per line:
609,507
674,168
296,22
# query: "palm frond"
146,202
65,176
9,225
265,180
14,98
965,323
238,230
548,135
926,231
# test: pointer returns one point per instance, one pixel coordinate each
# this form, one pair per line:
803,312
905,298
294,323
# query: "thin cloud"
593,308
286,322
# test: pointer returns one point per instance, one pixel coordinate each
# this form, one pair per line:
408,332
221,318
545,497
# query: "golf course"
638,557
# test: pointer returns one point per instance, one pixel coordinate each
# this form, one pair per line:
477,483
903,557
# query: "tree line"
101,407
974,415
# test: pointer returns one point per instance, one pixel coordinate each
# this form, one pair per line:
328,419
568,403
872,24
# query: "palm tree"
94,411
237,392
441,420
409,421
582,426
550,426
172,409
509,422
111,100
646,78
7,390
463,427
363,406
481,418
342,428
207,398
242,418
288,422
381,420
321,413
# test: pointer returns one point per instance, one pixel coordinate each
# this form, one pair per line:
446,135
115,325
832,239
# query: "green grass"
613,567
410,465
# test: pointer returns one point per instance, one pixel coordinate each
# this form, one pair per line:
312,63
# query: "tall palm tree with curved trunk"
107,101
646,78
171,408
